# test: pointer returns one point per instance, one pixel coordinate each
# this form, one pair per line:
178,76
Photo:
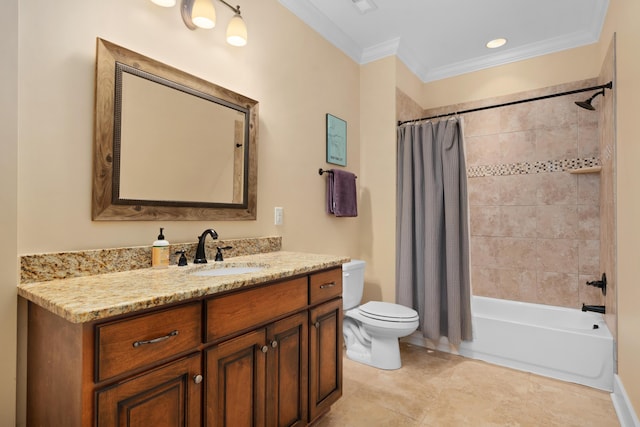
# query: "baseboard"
622,405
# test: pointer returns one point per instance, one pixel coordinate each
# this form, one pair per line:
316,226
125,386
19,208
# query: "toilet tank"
352,283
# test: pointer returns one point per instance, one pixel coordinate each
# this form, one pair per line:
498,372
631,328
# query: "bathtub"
552,341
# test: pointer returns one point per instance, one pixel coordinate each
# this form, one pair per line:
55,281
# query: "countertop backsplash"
64,265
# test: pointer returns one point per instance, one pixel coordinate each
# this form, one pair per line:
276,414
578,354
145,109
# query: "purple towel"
341,193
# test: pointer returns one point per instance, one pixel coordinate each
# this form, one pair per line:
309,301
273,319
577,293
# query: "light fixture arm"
235,9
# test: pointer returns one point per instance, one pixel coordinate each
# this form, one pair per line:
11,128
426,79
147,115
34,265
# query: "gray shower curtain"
432,236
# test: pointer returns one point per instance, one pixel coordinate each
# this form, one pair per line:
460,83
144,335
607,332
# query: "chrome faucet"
201,256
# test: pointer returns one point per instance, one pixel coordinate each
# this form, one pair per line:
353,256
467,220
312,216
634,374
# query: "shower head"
587,104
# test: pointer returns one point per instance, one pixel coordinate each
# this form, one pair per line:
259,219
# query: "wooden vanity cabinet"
287,373
66,362
259,378
325,341
268,355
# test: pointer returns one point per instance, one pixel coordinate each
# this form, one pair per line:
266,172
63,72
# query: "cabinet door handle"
317,325
197,379
156,340
274,343
327,285
264,349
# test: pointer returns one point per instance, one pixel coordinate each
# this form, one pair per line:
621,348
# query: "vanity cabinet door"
325,357
287,372
235,381
260,378
169,396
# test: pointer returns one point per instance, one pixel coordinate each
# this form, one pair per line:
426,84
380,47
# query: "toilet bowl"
371,331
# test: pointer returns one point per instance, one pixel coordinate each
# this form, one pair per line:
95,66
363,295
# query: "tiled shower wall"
535,227
608,236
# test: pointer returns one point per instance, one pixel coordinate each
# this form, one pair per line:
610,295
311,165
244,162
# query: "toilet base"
384,353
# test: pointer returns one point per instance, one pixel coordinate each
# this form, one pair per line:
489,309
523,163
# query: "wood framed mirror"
169,145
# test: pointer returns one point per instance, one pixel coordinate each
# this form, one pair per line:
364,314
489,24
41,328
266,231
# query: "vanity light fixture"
496,43
202,14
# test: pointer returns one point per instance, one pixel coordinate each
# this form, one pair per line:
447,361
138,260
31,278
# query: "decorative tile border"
526,168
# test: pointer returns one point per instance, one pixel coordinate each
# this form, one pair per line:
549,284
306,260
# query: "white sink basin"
227,271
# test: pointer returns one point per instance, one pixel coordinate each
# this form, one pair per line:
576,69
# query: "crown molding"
310,15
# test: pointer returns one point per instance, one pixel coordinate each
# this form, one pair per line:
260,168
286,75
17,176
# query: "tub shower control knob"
602,284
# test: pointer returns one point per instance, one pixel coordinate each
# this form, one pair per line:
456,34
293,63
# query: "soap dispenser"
160,252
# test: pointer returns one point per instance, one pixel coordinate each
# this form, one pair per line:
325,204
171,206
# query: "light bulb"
495,43
237,31
203,14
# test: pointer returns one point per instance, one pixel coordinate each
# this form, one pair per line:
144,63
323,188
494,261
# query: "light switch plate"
278,214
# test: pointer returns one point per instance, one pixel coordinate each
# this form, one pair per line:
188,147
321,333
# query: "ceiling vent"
364,6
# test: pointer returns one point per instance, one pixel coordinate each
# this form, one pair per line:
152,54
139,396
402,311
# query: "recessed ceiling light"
495,43
364,6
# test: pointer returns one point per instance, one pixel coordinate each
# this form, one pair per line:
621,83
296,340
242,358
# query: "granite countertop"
85,299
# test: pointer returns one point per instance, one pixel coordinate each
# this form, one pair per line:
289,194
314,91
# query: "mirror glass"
169,145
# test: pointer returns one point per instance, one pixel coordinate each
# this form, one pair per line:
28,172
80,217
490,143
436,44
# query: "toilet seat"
388,312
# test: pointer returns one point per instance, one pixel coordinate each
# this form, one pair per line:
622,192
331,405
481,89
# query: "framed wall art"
336,140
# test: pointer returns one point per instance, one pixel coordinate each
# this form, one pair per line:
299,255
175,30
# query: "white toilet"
371,330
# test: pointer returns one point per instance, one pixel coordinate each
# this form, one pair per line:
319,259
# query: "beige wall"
543,71
406,81
8,209
622,19
295,74
407,108
377,179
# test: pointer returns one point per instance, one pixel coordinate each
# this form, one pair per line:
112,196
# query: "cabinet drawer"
325,285
132,343
236,312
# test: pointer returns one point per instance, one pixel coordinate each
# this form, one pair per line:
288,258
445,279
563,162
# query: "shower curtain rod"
488,107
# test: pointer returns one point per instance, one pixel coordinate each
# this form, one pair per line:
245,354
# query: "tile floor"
442,390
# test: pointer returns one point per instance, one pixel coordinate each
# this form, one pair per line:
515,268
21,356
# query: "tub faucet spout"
594,308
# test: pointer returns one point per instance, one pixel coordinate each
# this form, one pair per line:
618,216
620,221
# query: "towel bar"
321,171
